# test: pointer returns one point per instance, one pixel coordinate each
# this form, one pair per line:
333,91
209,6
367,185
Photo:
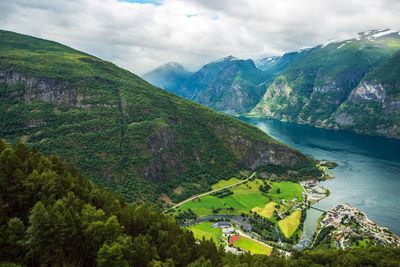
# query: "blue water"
368,175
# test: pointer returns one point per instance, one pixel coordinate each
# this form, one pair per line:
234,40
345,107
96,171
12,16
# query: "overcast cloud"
141,36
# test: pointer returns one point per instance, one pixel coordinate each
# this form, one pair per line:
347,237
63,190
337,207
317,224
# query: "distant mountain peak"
227,58
171,65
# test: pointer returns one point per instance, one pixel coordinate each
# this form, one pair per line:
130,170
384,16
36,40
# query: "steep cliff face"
32,88
121,131
333,86
374,105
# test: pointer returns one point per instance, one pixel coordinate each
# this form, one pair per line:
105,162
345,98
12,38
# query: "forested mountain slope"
121,131
331,86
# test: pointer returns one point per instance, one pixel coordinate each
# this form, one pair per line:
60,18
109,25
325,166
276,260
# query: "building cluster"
225,227
350,224
312,191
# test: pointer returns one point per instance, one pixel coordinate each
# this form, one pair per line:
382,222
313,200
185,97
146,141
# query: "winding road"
210,192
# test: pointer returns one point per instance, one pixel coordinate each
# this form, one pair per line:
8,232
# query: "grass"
290,224
207,231
285,190
252,246
245,197
363,243
267,211
224,183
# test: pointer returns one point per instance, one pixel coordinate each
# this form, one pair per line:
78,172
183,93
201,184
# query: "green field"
290,224
252,246
207,231
363,243
267,211
288,191
245,197
224,183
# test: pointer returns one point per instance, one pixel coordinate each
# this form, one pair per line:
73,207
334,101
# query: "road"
210,192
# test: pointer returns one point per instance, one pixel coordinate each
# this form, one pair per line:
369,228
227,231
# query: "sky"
140,35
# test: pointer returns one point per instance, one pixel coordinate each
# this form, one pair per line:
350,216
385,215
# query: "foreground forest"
51,215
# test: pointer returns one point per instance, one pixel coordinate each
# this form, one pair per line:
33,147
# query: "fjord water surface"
368,175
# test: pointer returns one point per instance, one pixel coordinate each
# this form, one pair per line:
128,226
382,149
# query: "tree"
39,234
15,238
202,262
111,255
143,252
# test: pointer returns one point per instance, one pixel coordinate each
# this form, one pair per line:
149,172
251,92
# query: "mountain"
350,84
122,132
276,64
168,76
51,215
374,105
230,85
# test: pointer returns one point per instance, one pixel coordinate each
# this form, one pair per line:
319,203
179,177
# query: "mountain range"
122,132
348,84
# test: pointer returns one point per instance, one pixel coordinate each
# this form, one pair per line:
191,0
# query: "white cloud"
140,37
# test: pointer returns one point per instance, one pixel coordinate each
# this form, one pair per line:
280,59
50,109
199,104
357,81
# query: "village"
313,192
350,227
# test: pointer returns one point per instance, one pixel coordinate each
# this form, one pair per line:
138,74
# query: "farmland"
267,211
290,223
254,198
224,183
206,230
245,197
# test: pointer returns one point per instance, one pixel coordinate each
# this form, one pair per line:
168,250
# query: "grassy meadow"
267,211
246,197
289,224
224,183
252,246
207,231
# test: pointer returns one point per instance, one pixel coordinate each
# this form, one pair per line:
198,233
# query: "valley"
260,212
170,133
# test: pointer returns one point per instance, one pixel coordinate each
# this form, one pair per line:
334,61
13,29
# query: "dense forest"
51,215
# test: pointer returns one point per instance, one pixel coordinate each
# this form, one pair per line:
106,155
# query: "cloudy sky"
142,34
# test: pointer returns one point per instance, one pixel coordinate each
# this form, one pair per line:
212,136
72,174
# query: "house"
247,228
222,224
228,231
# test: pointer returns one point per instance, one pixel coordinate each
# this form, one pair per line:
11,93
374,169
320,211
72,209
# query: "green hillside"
122,132
314,88
374,107
388,75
